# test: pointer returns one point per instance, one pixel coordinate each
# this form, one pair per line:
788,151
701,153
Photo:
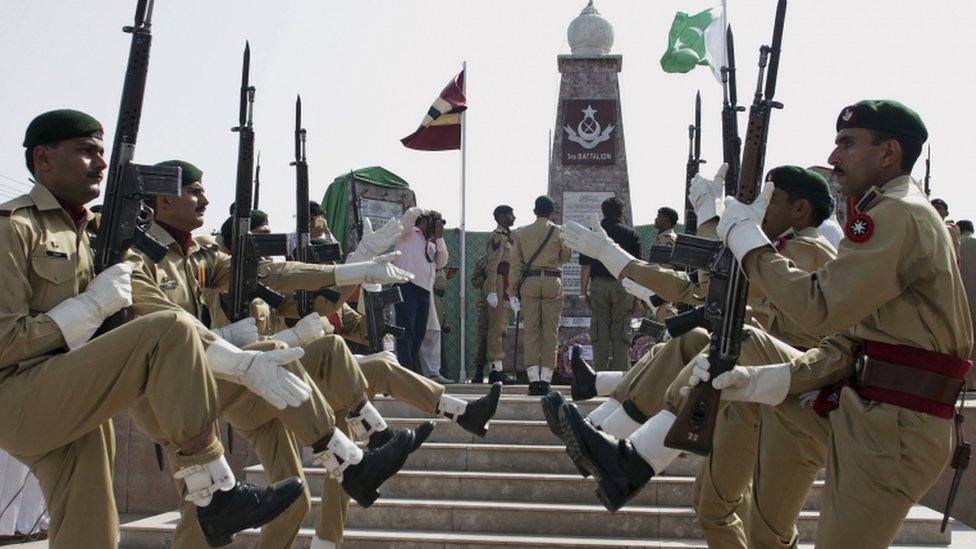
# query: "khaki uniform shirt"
899,286
808,251
666,238
193,280
497,261
45,260
527,241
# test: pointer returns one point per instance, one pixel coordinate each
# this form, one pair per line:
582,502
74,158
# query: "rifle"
305,251
125,216
731,151
247,249
257,182
725,306
377,324
693,165
928,171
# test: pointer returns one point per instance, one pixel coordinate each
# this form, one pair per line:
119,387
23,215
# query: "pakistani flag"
696,40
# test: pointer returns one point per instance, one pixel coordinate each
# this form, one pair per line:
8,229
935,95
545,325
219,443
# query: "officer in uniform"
610,304
665,222
536,260
498,292
60,388
183,278
895,298
954,233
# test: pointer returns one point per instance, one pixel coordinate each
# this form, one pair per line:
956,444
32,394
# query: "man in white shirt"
422,252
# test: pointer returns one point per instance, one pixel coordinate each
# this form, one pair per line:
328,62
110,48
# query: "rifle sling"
528,264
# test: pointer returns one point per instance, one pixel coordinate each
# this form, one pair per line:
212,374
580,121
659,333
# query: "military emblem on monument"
588,136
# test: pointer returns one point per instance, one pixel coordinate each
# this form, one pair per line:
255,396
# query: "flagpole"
463,374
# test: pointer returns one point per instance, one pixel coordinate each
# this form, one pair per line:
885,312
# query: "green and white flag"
697,40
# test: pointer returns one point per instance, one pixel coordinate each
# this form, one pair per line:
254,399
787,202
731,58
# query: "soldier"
536,267
665,221
187,275
610,304
895,297
60,388
954,233
498,292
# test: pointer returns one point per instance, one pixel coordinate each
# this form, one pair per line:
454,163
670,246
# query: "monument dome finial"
590,34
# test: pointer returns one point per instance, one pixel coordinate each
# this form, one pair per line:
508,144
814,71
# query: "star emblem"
589,111
859,227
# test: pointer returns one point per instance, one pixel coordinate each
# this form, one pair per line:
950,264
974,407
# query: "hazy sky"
368,71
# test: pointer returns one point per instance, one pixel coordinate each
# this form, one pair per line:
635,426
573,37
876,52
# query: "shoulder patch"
860,227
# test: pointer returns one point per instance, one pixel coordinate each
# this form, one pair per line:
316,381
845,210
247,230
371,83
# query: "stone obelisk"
589,160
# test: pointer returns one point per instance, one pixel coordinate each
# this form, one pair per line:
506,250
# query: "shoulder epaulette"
869,199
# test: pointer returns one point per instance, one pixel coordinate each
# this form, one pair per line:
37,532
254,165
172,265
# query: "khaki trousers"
384,376
497,329
647,387
610,332
542,303
274,434
55,416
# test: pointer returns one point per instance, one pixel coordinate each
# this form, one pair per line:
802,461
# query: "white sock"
202,481
319,543
648,440
545,375
619,424
496,365
606,382
533,373
603,411
366,422
451,407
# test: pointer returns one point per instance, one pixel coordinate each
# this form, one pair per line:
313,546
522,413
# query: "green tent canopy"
335,204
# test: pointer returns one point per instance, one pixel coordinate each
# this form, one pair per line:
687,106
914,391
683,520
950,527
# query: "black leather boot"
620,471
504,377
420,435
478,412
245,506
584,377
362,480
550,409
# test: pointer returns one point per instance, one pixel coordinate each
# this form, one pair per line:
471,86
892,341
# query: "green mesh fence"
475,248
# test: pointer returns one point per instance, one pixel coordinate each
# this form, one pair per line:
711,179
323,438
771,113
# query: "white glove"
596,244
741,225
80,316
260,372
767,384
378,270
240,333
514,304
492,299
373,242
389,356
305,331
708,195
639,292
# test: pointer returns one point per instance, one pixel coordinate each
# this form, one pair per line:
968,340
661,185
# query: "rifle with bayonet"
728,288
257,182
378,325
928,171
696,252
247,250
305,251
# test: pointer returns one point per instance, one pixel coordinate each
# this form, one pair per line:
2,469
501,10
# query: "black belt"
543,272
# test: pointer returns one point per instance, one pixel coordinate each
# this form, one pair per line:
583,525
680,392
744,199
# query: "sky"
368,70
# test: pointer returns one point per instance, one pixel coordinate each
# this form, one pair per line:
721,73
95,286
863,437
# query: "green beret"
802,183
59,125
190,173
545,203
884,115
258,218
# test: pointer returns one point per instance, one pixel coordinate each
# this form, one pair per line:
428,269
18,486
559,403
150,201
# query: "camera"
433,219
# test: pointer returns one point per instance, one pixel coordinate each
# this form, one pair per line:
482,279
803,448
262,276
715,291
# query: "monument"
589,159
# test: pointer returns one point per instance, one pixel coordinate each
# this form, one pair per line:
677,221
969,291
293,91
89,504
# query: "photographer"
422,252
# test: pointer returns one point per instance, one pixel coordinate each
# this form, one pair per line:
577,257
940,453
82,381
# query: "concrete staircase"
515,488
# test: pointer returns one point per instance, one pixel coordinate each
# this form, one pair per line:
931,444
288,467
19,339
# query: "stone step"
511,406
157,531
500,431
482,388
513,458
674,491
